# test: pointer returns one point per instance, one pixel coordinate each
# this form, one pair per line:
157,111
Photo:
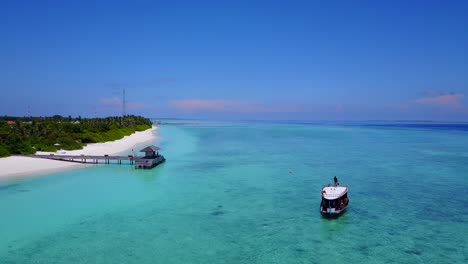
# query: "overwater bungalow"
151,158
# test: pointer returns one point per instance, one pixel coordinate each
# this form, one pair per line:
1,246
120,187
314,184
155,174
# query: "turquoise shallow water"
250,193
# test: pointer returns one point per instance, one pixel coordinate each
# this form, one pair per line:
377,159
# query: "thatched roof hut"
150,151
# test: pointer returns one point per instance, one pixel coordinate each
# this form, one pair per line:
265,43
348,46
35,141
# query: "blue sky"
318,60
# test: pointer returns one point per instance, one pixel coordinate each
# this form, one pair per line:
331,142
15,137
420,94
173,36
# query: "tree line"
26,135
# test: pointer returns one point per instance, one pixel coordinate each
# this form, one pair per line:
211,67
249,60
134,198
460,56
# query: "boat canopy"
334,192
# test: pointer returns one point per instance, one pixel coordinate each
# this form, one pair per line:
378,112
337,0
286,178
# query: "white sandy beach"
15,167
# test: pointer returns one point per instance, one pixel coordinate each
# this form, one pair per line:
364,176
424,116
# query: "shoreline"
15,167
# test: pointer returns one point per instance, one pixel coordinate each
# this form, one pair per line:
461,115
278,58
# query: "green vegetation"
26,135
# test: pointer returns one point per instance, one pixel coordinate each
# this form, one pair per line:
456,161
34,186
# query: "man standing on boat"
336,181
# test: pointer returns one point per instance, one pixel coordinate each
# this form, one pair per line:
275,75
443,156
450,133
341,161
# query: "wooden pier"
148,163
150,160
106,159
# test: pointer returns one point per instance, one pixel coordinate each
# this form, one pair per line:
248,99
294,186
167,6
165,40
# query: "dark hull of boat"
333,215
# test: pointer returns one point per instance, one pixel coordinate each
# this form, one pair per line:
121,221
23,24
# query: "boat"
334,200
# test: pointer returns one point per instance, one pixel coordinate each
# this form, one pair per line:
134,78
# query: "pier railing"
141,162
87,158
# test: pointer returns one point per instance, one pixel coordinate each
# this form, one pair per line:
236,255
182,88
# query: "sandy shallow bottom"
18,167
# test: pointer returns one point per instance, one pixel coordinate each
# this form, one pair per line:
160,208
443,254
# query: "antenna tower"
123,103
